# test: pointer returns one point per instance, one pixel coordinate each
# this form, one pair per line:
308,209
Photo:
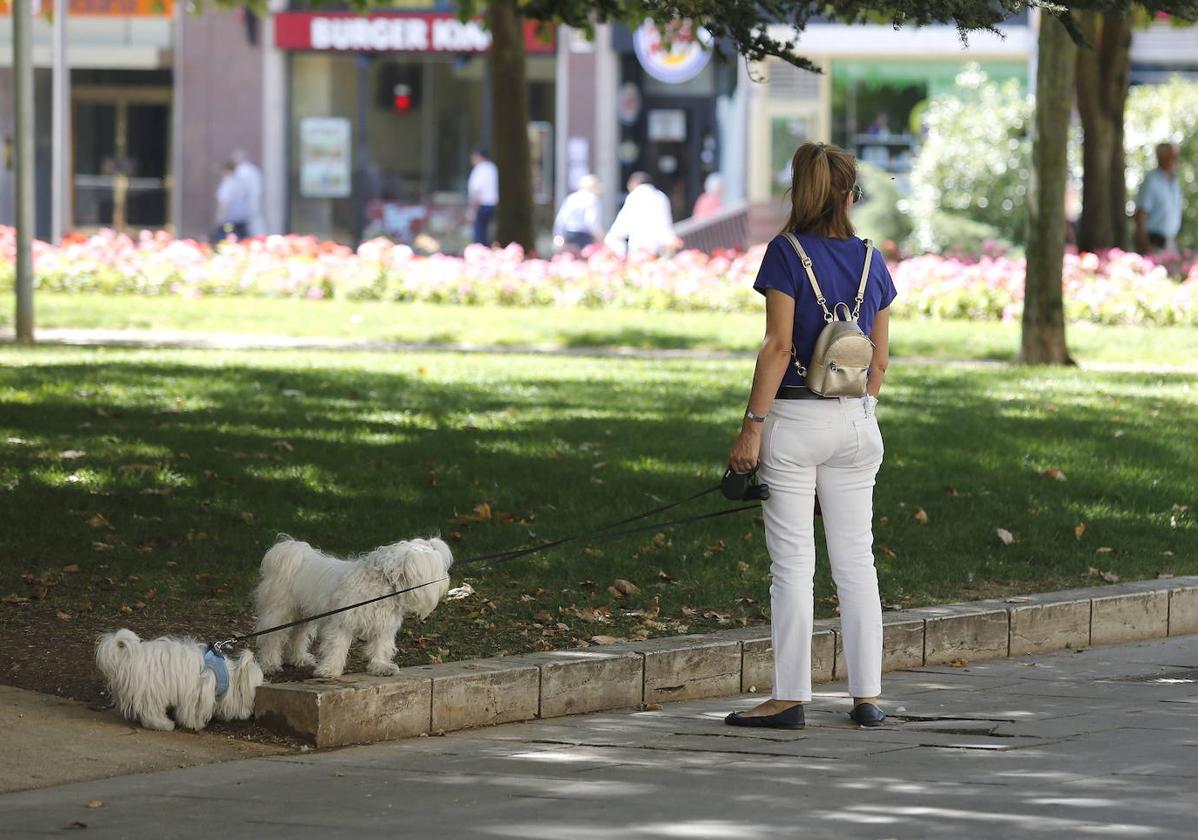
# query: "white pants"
833,447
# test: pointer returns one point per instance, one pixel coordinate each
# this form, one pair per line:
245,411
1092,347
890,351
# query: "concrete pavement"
1097,743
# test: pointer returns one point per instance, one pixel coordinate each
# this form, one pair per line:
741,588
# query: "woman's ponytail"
821,178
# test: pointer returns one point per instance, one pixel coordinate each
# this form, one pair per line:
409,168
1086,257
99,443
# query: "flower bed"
1112,288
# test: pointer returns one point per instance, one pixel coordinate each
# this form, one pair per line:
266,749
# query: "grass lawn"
577,328
140,488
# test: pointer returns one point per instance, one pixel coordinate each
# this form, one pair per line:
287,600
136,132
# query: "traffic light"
401,98
399,87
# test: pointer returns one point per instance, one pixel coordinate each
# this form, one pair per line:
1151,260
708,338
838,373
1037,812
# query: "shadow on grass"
641,339
195,469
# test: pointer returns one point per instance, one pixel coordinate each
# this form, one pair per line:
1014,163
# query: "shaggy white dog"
299,580
149,680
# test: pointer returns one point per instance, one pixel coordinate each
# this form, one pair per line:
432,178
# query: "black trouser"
1157,240
239,229
482,222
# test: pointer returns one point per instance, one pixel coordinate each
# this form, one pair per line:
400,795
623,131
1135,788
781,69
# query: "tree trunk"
509,124
1043,306
1102,82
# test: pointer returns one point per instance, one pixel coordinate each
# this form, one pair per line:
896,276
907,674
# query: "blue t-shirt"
837,264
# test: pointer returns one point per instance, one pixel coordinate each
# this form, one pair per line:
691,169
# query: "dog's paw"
305,661
382,669
326,672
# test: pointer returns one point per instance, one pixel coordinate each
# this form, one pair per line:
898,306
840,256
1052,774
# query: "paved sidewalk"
52,741
1099,743
178,339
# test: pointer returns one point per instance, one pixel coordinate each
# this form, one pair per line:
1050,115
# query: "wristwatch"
755,418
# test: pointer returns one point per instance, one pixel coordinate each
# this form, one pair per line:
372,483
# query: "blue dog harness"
216,663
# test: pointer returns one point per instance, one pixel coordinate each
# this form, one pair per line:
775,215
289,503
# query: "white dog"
299,580
149,680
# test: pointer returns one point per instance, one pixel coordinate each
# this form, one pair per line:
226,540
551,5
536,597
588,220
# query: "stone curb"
357,708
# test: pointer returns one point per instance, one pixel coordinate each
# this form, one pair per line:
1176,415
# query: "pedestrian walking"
482,190
1159,204
645,223
579,221
807,444
251,181
232,206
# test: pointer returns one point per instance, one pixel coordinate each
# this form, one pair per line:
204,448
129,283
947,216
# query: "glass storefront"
381,142
877,103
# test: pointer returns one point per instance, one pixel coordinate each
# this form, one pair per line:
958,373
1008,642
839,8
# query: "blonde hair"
822,176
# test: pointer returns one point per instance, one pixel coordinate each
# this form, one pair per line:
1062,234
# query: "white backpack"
839,365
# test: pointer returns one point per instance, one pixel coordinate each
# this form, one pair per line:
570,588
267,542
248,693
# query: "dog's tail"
114,649
284,558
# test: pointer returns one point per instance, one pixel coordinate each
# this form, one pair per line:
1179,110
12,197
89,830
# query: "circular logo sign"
676,57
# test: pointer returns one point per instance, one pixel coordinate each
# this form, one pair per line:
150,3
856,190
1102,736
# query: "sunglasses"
857,193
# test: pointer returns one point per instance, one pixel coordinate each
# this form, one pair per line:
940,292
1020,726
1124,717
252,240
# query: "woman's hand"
746,449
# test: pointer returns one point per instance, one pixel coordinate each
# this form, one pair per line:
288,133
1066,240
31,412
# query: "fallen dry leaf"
949,490
62,616
98,521
14,598
1006,536
605,640
625,587
71,569
887,550
958,663
1110,577
460,592
651,707
282,446
72,454
94,803
921,516
1079,530
1104,549
1053,473
665,578
246,517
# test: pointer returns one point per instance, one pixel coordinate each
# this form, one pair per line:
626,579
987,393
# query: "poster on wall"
540,147
325,170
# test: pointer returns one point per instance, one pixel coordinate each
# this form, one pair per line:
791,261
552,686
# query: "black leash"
604,533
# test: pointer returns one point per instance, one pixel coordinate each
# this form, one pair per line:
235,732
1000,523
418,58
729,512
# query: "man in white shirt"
482,190
579,220
232,206
1159,204
645,222
250,177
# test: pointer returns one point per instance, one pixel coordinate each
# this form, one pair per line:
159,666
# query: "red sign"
391,32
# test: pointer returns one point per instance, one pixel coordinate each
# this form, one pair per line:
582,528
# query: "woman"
807,444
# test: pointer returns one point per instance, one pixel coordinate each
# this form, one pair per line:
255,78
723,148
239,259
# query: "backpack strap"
869,256
806,261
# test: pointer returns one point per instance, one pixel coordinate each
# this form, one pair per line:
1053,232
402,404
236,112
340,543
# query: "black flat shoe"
867,714
792,718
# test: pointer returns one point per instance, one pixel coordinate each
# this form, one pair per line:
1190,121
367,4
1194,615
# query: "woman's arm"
880,336
772,359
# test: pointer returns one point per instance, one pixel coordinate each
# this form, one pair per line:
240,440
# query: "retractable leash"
604,534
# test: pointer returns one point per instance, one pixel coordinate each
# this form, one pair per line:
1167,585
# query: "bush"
969,182
1159,114
1114,288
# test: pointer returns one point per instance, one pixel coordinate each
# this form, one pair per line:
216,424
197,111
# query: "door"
122,158
680,148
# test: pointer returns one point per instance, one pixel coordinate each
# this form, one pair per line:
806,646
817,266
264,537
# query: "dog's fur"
149,679
299,580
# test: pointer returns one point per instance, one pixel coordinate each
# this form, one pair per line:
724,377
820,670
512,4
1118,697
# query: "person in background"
711,200
578,222
1158,204
482,191
644,223
232,206
251,181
